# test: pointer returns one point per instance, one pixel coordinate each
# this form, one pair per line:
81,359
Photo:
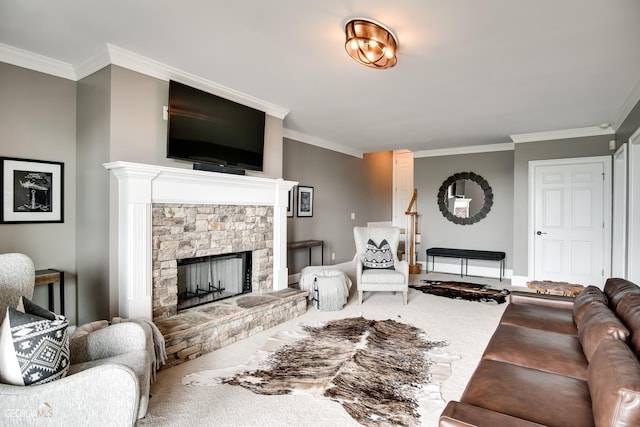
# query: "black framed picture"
305,201
290,203
32,191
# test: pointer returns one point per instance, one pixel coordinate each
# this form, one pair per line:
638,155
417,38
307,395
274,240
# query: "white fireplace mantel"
141,185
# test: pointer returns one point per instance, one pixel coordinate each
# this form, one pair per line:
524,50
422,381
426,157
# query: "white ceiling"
469,72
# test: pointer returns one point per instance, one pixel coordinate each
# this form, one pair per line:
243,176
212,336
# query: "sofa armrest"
105,395
458,414
107,342
555,301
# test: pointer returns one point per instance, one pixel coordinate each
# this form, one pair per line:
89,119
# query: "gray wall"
342,185
38,121
493,232
542,150
630,124
92,228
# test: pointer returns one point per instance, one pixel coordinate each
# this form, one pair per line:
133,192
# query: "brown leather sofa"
558,361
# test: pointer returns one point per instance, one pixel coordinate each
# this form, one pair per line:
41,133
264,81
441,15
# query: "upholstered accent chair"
377,265
17,277
108,374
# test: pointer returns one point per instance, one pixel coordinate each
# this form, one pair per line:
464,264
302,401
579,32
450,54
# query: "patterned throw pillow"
378,256
34,345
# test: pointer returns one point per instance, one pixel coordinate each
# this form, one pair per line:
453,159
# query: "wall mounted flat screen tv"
207,129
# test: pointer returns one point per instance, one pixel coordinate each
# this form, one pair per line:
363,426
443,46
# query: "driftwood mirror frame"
488,198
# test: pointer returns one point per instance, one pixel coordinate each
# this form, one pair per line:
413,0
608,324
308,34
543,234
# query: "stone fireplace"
183,232
213,213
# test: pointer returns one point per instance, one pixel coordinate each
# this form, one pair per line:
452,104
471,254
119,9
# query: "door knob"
540,232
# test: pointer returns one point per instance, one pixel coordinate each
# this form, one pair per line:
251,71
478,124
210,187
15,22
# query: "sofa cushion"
378,256
599,323
617,289
540,317
457,414
629,312
34,345
614,381
533,348
590,295
529,394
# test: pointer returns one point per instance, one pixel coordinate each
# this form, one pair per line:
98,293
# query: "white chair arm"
105,395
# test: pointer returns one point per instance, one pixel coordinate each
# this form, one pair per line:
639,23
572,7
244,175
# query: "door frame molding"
606,195
619,211
633,205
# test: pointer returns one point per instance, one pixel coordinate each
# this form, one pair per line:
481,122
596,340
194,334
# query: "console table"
49,277
465,255
304,244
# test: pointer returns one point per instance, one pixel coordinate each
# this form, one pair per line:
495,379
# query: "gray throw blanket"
159,354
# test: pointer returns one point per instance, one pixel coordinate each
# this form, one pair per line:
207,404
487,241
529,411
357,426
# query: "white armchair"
108,379
377,276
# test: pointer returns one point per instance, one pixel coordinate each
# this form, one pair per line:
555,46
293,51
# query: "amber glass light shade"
371,44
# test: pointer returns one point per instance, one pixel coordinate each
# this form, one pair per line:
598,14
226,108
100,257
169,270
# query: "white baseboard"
519,281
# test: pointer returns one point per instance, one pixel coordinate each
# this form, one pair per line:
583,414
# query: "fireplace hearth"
202,280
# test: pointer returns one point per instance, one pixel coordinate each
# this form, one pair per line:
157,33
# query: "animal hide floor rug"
384,373
463,290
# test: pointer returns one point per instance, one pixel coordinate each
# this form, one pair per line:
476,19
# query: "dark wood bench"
465,255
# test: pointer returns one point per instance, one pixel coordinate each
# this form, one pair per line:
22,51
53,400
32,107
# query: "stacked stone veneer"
206,328
183,231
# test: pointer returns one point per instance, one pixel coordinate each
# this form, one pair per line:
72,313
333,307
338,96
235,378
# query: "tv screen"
205,128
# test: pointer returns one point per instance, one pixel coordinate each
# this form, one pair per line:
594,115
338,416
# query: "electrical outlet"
353,215
333,256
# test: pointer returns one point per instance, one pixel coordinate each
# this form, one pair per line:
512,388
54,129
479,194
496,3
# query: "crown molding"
153,68
473,149
562,134
319,142
95,63
631,101
121,57
33,61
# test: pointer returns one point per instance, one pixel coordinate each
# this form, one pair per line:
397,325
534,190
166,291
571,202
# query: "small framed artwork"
305,201
290,203
32,191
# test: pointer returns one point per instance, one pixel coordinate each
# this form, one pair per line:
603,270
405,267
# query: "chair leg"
405,297
360,293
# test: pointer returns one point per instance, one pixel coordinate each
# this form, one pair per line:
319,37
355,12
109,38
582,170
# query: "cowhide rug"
463,290
381,372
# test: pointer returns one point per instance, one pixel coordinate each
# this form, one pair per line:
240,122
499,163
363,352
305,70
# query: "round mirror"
465,198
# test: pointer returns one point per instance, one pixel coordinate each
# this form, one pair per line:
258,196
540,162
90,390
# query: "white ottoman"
329,289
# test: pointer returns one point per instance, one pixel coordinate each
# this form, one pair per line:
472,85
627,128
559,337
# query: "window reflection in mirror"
465,198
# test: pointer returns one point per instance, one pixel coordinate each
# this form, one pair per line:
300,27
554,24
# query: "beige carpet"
466,325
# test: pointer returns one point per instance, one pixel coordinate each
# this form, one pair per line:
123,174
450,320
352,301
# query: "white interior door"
571,220
402,185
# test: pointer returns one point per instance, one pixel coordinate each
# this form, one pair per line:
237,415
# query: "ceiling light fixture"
371,43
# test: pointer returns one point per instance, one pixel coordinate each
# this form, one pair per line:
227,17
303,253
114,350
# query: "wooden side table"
308,244
48,277
555,288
